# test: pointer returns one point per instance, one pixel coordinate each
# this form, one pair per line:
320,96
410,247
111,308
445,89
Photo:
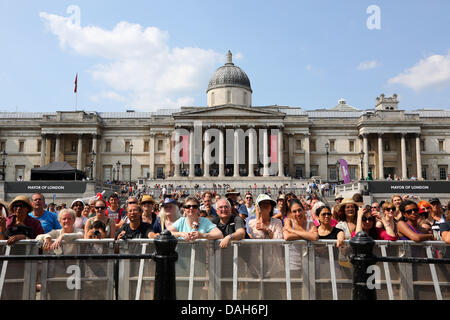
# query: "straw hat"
24,199
346,201
146,198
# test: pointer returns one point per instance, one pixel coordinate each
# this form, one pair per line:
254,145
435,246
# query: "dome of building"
229,75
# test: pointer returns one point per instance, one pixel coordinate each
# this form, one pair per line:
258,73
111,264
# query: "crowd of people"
230,217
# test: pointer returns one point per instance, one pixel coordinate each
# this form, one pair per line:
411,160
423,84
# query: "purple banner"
344,170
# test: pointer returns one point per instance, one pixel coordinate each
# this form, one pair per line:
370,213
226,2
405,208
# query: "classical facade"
232,140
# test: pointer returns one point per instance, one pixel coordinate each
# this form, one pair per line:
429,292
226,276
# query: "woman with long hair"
396,200
411,229
297,226
168,214
347,217
326,230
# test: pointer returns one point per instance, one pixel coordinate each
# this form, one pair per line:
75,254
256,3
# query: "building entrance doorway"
389,171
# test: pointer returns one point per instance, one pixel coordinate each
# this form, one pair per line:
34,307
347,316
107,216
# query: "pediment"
228,111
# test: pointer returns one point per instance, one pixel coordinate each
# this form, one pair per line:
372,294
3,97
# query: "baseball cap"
169,201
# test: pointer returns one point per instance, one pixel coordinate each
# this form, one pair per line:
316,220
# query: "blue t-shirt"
205,225
49,221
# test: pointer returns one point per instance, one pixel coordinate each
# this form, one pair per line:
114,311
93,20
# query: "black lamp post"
361,156
327,146
4,154
93,154
118,170
131,155
338,166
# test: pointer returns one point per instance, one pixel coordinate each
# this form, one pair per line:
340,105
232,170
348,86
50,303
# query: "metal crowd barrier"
248,269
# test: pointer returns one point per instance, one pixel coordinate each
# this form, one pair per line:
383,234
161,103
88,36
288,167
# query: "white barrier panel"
248,269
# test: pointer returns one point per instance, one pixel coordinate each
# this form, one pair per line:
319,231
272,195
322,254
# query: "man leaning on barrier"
231,225
136,229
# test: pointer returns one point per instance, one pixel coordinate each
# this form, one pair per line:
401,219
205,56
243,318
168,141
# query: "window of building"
332,145
146,145
126,173
127,146
19,172
39,146
2,145
107,173
160,172
108,146
424,172
228,96
298,172
422,145
245,98
441,145
21,146
314,170
73,146
387,146
312,145
442,172
145,171
351,145
212,98
160,145
352,172
332,173
298,145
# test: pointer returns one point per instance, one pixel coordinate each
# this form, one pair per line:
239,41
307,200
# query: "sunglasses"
144,203
365,219
248,197
132,202
191,206
100,208
326,214
415,210
389,209
375,207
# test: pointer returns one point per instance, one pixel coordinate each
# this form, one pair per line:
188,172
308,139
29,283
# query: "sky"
149,55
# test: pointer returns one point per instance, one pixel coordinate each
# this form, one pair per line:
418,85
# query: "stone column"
168,154
43,149
207,154
265,153
251,152
236,154
403,155
191,153
307,157
366,154
80,152
221,153
97,156
418,158
291,158
176,171
151,148
280,153
58,147
380,157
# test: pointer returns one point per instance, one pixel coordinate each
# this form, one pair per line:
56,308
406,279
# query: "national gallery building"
230,140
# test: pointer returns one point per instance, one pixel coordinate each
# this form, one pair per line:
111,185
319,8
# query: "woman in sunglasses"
386,228
366,222
326,230
411,228
100,215
192,227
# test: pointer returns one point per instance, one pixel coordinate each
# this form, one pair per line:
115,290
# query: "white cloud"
138,62
433,71
308,67
366,65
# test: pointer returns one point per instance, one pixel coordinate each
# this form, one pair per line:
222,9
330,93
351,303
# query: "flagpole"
76,91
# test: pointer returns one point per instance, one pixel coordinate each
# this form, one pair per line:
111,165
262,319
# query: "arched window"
212,98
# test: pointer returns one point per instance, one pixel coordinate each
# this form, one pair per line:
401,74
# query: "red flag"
76,80
185,148
273,148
